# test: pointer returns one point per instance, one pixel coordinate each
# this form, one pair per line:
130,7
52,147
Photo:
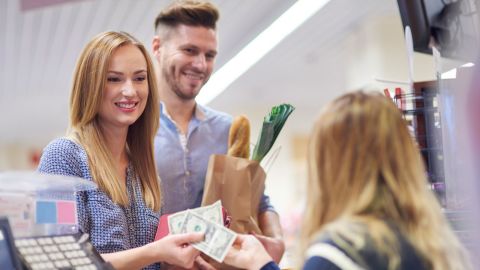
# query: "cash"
208,220
218,239
211,212
175,222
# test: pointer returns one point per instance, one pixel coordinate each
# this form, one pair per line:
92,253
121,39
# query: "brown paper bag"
239,183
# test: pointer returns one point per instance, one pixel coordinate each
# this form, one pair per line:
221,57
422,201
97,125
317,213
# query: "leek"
272,125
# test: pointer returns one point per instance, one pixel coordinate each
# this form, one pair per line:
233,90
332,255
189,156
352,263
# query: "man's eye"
189,50
210,56
113,79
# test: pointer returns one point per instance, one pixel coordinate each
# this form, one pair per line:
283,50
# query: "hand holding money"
176,249
207,220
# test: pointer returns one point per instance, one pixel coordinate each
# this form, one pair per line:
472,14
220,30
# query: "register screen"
6,262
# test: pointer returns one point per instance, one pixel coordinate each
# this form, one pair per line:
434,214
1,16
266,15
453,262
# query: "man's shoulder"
216,116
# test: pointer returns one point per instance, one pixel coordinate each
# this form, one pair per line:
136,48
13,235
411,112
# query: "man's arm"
269,223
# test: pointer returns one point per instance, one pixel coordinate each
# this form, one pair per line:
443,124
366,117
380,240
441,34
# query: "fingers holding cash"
218,242
209,221
177,249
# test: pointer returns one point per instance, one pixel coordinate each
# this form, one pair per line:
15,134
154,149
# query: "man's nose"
200,62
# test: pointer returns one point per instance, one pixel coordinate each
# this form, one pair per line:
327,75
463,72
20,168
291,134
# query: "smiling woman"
114,115
126,89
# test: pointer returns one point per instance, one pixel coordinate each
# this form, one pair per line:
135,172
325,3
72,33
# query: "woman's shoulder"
326,254
62,144
63,147
359,251
64,156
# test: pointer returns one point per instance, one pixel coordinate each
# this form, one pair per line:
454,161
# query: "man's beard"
175,87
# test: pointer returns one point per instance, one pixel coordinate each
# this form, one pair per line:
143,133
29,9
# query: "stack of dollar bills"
207,220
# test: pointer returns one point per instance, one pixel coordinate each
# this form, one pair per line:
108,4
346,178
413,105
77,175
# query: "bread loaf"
239,138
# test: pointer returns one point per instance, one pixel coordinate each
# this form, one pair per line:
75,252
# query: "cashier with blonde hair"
368,205
114,115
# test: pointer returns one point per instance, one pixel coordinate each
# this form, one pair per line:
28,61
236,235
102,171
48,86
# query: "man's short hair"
187,12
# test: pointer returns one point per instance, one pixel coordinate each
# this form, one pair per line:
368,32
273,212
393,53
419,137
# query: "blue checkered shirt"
111,227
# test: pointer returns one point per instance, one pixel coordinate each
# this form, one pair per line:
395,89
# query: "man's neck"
181,111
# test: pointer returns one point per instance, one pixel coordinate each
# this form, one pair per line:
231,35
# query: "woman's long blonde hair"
364,168
85,100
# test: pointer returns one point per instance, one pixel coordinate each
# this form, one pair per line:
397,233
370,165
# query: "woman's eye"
141,79
113,79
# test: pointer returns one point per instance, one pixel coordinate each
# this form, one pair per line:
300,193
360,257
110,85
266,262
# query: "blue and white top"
111,227
334,252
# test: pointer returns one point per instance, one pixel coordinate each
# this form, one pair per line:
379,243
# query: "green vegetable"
272,125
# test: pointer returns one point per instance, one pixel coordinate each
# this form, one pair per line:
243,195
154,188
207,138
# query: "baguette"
239,138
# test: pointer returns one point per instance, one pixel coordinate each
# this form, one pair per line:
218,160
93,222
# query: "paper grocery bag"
239,183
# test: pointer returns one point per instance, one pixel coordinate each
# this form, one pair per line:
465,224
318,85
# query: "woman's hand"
247,252
200,264
177,249
172,249
275,247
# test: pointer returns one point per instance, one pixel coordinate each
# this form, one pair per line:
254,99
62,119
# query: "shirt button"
187,173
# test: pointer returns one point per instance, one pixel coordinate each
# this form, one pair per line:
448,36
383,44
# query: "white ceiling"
39,47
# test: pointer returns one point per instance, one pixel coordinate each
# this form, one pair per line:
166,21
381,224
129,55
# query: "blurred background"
346,45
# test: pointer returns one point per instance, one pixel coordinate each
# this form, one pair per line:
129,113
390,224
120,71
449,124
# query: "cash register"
38,224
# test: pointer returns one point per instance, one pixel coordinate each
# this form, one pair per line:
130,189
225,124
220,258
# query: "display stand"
420,108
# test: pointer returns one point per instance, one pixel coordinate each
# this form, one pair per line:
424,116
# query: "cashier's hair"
365,169
85,100
186,12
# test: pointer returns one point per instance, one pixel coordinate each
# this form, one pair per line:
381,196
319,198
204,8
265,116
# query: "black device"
452,26
8,257
72,251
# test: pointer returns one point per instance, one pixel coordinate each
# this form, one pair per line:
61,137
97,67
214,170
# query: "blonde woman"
368,206
114,112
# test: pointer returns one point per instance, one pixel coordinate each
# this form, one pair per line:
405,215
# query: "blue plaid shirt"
182,166
111,227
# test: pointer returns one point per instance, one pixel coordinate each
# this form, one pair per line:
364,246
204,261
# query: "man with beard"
185,45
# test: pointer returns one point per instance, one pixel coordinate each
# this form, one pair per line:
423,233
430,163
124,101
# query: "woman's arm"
172,249
272,240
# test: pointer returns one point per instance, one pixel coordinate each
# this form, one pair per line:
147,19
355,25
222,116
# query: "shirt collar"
198,114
